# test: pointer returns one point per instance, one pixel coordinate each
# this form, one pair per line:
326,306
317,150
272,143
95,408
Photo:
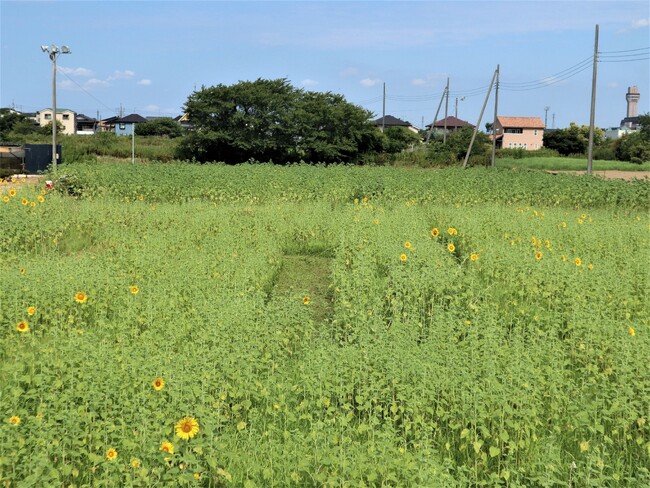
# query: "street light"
54,52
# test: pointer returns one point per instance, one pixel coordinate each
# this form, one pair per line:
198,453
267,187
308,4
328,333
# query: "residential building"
125,126
64,116
85,125
451,123
519,133
390,121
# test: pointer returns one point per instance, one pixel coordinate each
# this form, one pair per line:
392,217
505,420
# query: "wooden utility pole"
590,149
471,143
436,116
383,110
444,134
494,124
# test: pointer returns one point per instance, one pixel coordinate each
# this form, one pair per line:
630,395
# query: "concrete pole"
590,149
54,158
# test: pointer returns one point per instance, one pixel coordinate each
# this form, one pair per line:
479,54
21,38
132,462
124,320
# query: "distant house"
519,133
184,120
451,123
107,125
85,125
64,116
125,126
390,121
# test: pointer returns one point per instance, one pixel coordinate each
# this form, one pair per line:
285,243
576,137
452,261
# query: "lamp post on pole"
54,52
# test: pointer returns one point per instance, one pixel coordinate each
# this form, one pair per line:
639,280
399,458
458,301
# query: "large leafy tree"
270,120
163,126
572,140
635,147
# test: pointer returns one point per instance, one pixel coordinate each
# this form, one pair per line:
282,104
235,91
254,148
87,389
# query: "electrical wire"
83,89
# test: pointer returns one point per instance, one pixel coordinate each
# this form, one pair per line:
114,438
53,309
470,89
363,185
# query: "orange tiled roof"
521,122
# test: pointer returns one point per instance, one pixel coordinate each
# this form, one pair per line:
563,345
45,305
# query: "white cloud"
309,82
121,75
429,80
95,83
370,81
144,82
641,23
87,85
76,71
350,71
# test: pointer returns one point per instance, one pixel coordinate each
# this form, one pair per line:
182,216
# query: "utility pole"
590,149
456,111
553,121
494,124
545,115
383,111
471,143
444,134
435,117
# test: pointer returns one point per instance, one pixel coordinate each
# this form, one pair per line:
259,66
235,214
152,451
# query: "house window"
535,132
48,116
514,131
66,116
122,126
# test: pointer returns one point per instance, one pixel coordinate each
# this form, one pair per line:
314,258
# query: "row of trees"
634,147
270,120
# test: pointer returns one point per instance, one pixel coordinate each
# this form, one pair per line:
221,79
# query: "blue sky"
148,56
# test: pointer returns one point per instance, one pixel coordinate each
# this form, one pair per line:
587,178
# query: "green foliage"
162,127
573,140
500,363
635,147
400,139
454,150
519,153
269,120
14,126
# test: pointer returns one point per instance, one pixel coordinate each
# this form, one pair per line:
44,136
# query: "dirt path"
609,174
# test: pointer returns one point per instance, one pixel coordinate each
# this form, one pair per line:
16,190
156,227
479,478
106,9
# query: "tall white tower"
632,98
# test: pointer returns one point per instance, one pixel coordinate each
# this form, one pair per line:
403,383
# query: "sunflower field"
254,325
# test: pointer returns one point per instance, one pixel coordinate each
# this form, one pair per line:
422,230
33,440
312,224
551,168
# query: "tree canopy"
270,120
572,140
163,126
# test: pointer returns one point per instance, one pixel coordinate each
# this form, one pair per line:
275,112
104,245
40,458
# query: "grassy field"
570,164
183,325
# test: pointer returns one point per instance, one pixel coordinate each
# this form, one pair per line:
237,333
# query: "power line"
84,90
624,51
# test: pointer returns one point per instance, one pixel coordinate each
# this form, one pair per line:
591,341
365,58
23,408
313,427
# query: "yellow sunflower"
24,201
12,192
306,300
407,244
451,247
40,199
14,420
435,232
474,257
111,454
31,311
158,384
631,331
168,447
80,297
578,262
403,257
134,290
135,463
5,198
22,326
538,256
187,427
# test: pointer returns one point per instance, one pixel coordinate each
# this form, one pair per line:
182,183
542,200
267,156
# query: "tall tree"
269,120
